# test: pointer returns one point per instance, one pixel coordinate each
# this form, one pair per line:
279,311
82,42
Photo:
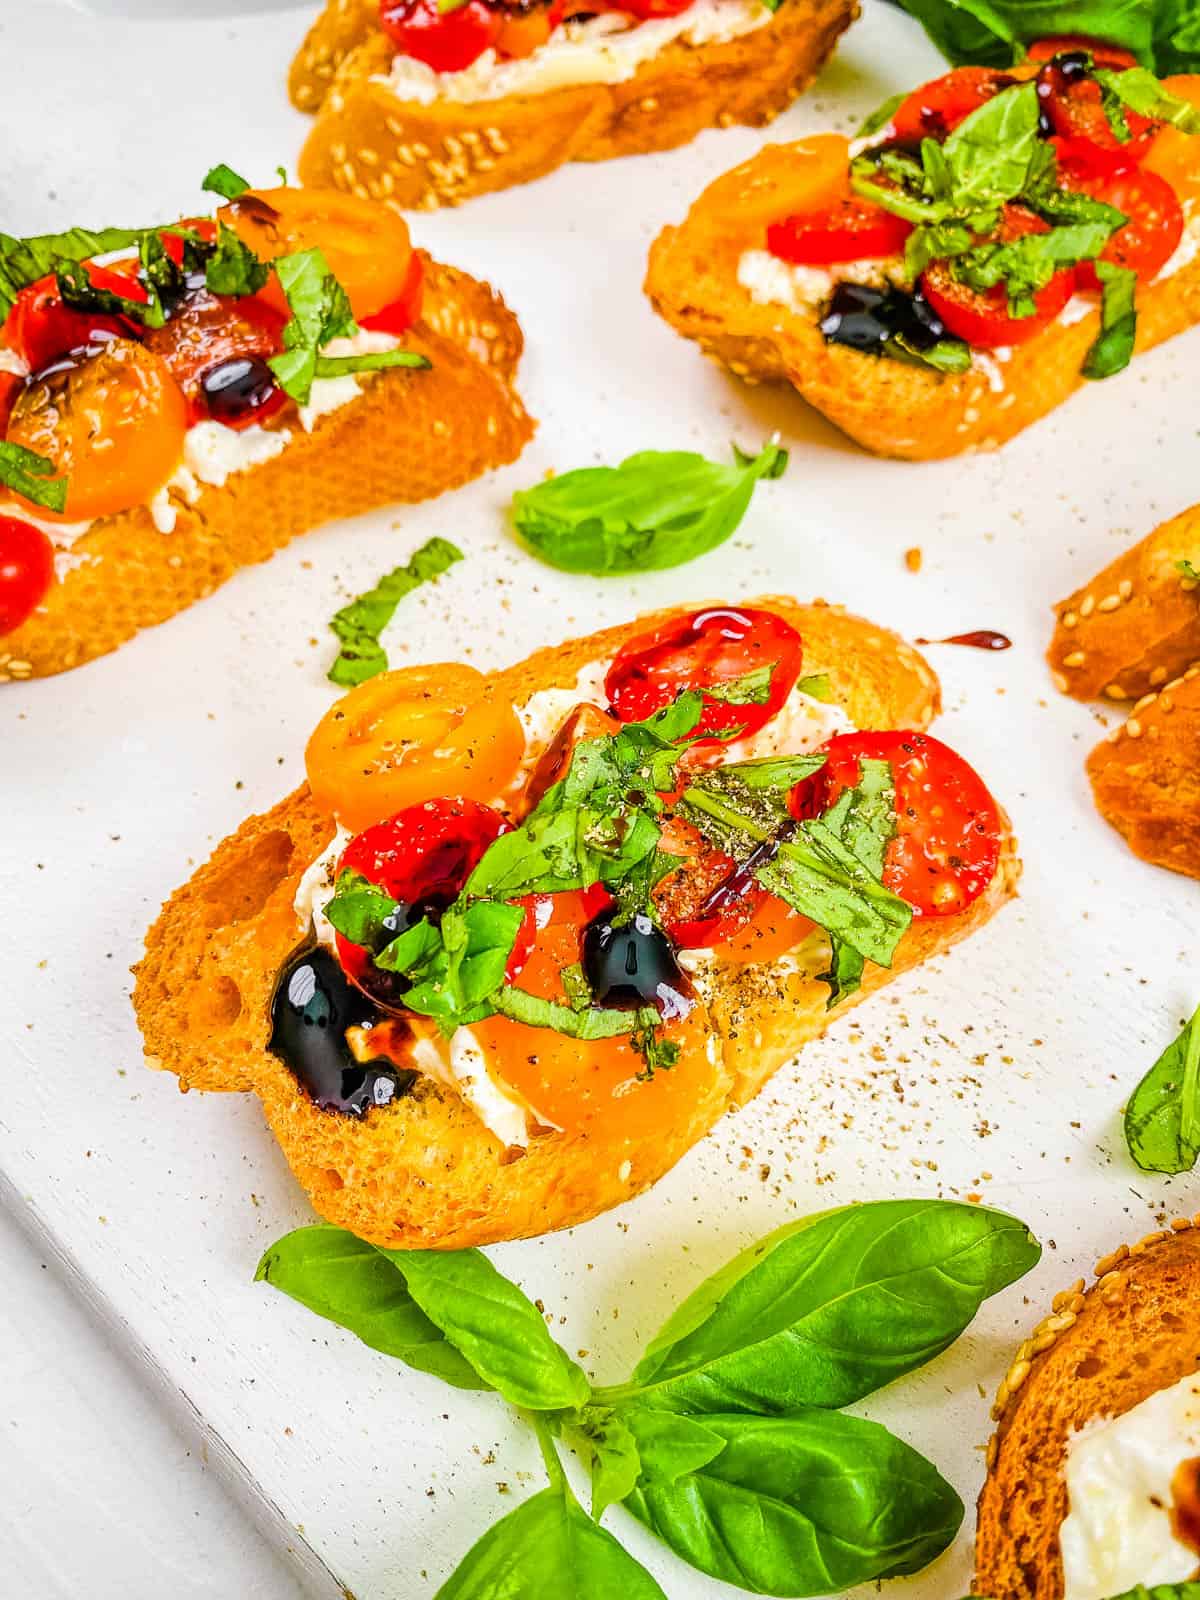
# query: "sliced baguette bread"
892,408
424,1172
421,156
410,435
1098,1354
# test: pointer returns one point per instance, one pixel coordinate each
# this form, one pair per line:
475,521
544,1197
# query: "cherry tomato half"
366,245
404,311
1072,103
207,333
704,901
407,736
1105,55
982,317
706,650
41,329
947,842
26,571
447,41
849,230
113,422
937,108
1151,236
421,857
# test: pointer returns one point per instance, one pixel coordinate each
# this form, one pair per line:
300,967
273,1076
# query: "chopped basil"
226,182
1189,569
1026,265
752,689
32,477
989,155
816,686
1113,349
369,361
320,311
24,261
233,268
1162,1119
1142,92
81,294
360,624
881,116
359,910
657,509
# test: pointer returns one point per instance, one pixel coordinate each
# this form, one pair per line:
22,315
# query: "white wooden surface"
997,1072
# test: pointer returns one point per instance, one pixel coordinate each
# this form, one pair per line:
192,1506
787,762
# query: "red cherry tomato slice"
11,385
41,329
421,857
447,41
937,108
644,9
406,309
849,230
982,318
1151,236
206,333
705,901
1106,55
26,571
1072,104
947,843
174,245
706,650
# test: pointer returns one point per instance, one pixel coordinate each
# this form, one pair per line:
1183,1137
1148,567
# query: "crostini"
953,275
424,104
668,852
1093,1482
1133,634
175,414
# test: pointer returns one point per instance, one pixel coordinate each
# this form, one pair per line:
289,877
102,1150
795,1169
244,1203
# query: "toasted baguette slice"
410,435
1146,776
424,1172
1136,624
893,409
1098,1354
424,156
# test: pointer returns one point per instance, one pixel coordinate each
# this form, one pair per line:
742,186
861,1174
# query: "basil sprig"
224,181
360,624
1113,348
1162,1118
31,476
657,509
24,261
727,1441
1161,33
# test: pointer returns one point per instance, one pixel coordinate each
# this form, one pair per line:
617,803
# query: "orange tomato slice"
408,736
113,424
773,931
781,180
1175,156
366,246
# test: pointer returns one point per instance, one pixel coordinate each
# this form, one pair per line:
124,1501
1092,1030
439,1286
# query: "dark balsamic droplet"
234,388
633,964
979,639
866,319
313,1005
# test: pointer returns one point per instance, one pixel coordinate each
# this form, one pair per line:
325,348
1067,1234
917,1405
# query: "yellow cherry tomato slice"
1175,156
408,736
367,247
773,931
780,181
113,424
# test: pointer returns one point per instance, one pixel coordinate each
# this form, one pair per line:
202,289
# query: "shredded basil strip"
360,624
224,181
32,477
1113,349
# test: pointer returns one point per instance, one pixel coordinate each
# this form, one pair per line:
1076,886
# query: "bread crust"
424,1172
411,435
1099,1353
1135,625
416,156
892,409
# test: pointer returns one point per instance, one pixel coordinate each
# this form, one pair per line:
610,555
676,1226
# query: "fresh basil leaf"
947,355
1176,36
657,509
549,1546
359,910
816,870
459,981
1142,92
817,686
1189,569
753,688
828,1309
597,1022
669,1444
646,1040
935,241
1113,349
412,952
76,289
810,1504
767,772
224,181
32,477
991,32
360,624
989,153
24,261
347,1281
494,1326
1026,265
233,268
1162,1119
320,311
881,116
864,818
613,1454
370,361
844,973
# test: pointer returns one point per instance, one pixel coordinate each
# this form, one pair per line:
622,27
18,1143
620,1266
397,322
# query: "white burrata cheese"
544,712
315,889
771,281
604,49
801,724
1119,1471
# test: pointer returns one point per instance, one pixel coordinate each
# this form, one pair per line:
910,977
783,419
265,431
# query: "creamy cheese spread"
604,49
770,281
1119,1475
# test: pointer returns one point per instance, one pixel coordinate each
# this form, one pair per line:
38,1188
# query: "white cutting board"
998,1071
